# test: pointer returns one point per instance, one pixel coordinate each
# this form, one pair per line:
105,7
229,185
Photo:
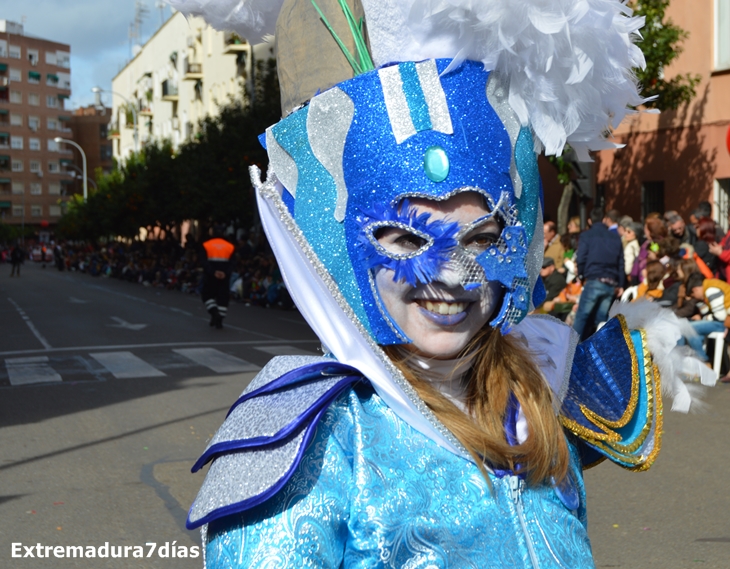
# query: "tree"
662,44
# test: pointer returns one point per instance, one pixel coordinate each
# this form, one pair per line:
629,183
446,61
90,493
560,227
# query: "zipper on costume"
516,486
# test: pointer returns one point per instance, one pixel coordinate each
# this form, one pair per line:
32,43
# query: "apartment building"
675,160
35,83
184,72
90,127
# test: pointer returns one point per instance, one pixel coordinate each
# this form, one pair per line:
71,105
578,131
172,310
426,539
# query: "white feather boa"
676,363
569,62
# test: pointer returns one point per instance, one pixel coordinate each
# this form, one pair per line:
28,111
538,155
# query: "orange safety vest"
218,249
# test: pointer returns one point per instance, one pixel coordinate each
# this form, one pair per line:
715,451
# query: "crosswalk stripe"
125,365
24,371
284,351
218,361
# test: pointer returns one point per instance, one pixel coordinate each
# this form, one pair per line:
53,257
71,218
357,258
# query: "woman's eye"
398,241
480,241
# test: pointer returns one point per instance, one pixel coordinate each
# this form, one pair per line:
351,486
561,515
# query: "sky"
96,30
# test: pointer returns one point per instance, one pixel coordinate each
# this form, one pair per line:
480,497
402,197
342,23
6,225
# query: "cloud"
96,30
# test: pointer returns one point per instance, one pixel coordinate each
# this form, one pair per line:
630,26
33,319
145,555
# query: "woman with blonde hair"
443,426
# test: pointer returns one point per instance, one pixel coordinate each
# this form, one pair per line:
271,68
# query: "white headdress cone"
569,62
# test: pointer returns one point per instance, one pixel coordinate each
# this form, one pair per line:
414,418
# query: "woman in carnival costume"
444,426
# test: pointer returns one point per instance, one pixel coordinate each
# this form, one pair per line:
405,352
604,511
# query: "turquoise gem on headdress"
436,164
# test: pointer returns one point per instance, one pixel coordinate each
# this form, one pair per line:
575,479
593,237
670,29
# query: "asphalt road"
109,391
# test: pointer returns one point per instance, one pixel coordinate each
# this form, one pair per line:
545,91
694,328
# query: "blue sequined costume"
365,489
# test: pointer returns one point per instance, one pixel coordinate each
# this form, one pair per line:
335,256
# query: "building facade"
35,83
184,72
90,126
674,160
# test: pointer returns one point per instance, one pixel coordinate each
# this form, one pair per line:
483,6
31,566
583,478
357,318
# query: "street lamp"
73,174
83,160
98,91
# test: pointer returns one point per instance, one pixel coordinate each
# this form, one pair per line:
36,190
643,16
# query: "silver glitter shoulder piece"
262,440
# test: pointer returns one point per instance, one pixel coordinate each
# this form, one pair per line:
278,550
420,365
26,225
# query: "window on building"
34,143
63,59
51,58
36,210
54,210
722,203
16,97
3,48
54,168
36,189
14,51
51,101
16,119
33,56
52,145
16,142
52,124
18,188
17,211
15,75
35,166
34,99
652,198
34,123
106,152
34,78
17,166
54,189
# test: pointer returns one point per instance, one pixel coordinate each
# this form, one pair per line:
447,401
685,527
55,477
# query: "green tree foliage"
206,180
662,44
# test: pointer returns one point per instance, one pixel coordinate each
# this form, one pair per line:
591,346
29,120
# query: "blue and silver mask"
351,160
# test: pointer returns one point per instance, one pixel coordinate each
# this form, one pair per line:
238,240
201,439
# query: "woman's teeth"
444,307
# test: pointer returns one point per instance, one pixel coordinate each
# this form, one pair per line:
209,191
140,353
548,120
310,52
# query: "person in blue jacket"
444,426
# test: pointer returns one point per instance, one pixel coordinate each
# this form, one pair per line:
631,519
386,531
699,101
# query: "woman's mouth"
444,313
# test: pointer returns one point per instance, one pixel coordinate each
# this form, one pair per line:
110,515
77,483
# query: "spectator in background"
611,220
706,236
721,251
601,268
679,229
715,294
553,280
683,305
553,246
654,231
631,245
17,256
652,288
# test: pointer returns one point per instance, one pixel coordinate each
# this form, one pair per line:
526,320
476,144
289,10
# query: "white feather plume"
663,330
251,19
569,62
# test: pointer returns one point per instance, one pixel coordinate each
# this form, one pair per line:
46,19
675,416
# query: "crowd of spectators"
164,263
680,264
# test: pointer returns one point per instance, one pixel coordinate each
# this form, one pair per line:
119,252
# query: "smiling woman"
444,426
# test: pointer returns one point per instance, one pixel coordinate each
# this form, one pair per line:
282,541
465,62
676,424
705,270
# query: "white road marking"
125,365
216,360
30,324
74,300
284,351
24,371
124,324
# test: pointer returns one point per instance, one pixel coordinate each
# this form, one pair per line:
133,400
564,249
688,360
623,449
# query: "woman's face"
441,317
573,227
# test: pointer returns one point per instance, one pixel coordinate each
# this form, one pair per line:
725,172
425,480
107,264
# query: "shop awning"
34,75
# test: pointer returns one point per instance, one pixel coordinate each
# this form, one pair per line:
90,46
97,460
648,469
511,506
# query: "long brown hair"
502,366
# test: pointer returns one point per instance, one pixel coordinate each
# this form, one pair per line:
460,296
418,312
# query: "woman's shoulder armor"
261,442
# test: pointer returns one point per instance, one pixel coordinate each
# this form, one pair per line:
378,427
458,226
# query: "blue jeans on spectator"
703,328
595,302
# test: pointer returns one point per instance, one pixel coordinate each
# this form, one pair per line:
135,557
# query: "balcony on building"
52,79
193,71
4,92
4,163
34,78
63,121
6,186
169,91
5,140
234,43
4,117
